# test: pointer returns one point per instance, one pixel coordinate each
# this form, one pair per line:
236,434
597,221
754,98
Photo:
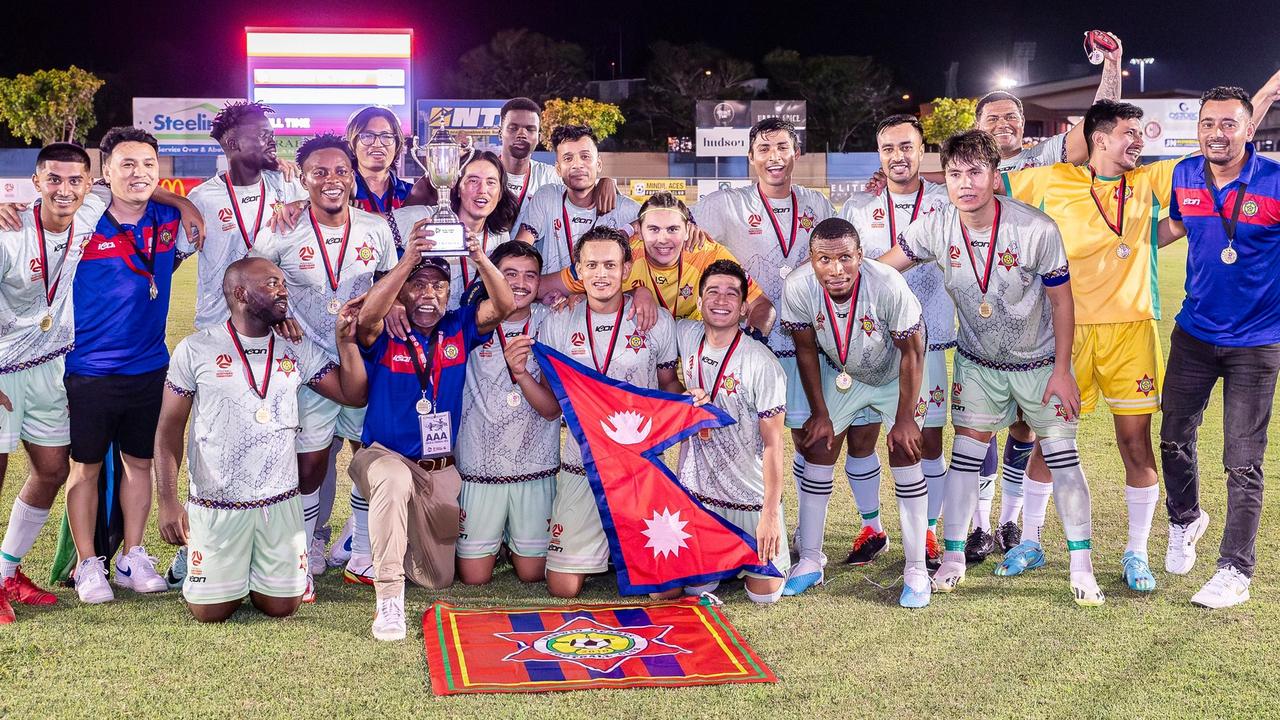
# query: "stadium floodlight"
1005,82
1142,64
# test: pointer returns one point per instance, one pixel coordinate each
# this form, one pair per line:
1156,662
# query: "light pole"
1142,64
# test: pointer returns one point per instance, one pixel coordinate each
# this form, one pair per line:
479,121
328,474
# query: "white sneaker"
136,571
1180,556
340,551
388,624
91,581
316,564
359,570
1227,587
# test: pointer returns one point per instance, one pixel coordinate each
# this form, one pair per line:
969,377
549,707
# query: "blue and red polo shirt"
120,330
391,418
397,191
1236,305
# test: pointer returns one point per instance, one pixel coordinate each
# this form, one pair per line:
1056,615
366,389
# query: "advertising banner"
1169,126
642,188
181,125
723,126
477,119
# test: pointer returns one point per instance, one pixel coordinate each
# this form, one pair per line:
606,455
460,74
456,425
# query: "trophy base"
450,240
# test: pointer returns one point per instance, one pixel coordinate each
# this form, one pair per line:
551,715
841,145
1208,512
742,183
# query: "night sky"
197,49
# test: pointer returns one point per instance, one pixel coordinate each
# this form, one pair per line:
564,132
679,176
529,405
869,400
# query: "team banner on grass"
579,647
660,536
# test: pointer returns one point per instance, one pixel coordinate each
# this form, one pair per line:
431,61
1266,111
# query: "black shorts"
123,409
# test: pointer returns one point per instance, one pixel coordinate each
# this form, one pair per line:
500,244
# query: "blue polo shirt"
391,418
120,330
394,197
1234,305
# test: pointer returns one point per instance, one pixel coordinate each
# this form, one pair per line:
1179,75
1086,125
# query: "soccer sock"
815,493
769,599
1142,507
986,487
328,492
1016,455
310,511
935,476
1071,498
25,523
962,494
359,524
913,506
1037,504
797,473
863,474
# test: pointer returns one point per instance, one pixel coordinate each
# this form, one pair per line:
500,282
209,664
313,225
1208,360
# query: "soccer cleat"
309,594
91,581
804,575
1008,536
177,571
340,552
1228,587
136,571
978,546
697,590
1026,555
1137,572
932,551
948,577
1085,589
1180,556
7,615
20,589
867,546
916,589
359,570
316,564
388,623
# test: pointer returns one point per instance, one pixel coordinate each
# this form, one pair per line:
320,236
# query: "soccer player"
243,520
376,141
1229,328
37,268
598,333
556,216
1006,270
736,471
766,226
508,453
405,466
520,127
115,375
241,200
860,344
879,221
328,259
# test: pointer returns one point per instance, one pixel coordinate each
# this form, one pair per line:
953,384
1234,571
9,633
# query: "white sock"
962,494
913,507
1036,495
328,493
935,476
815,494
863,474
797,474
359,524
310,510
1016,455
25,523
986,496
1071,498
1142,507
769,599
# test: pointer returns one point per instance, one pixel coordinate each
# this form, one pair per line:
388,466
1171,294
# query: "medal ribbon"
777,226
424,365
985,280
524,188
334,277
564,217
613,339
502,340
724,364
484,247
50,291
1228,228
235,208
843,350
675,306
893,224
148,263
248,371
1118,226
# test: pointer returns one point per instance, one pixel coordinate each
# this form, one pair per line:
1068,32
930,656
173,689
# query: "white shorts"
937,389
39,414
321,419
234,552
797,403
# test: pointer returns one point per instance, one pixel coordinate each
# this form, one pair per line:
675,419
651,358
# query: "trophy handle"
413,153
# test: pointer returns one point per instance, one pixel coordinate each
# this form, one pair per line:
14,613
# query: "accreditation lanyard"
148,260
425,366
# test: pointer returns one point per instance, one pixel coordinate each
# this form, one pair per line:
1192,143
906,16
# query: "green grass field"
997,648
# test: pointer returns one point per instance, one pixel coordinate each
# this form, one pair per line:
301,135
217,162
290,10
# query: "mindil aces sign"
181,125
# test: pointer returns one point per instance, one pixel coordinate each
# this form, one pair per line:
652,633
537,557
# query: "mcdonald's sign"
180,186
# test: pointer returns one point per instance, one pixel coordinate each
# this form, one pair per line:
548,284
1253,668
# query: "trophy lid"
441,136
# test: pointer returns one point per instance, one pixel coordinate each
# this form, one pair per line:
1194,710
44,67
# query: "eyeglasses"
370,138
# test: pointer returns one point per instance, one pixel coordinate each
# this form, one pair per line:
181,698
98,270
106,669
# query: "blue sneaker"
804,575
912,598
1137,572
1026,555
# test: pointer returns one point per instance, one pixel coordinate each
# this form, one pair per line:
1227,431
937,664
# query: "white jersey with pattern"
737,219
884,309
543,215
408,215
1028,249
1046,152
730,465
539,175
231,456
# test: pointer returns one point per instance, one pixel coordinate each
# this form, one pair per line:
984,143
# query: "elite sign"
181,125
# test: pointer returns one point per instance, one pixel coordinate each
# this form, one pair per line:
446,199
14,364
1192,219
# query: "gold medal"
844,382
985,309
1123,252
334,306
263,415
704,434
784,271
1228,257
152,290
513,399
46,322
423,406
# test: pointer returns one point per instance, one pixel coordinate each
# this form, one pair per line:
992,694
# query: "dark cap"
432,263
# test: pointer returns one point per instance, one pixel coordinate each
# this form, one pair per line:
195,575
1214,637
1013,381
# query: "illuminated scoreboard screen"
316,78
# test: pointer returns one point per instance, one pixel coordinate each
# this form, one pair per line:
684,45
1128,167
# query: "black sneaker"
1008,536
979,545
867,546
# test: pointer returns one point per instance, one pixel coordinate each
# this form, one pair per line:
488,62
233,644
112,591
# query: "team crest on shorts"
590,644
365,254
1008,259
635,341
287,365
1060,411
730,384
1249,208
807,221
937,395
451,351
867,324
922,408
1146,385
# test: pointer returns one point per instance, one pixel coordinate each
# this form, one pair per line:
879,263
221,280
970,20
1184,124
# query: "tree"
949,117
681,75
521,63
50,105
846,95
603,118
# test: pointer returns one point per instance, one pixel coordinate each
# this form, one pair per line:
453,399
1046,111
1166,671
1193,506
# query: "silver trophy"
443,161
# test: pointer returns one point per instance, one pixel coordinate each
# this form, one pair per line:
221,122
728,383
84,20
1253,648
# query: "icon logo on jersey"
1250,208
306,253
1008,259
754,220
223,361
730,384
807,221
365,254
224,214
107,245
1146,385
578,339
626,428
867,324
451,351
937,395
287,365
1190,201
635,341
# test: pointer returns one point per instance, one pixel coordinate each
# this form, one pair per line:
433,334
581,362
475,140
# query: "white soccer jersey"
1046,152
459,268
547,213
524,187
636,355
737,219
23,302
1028,251
880,221
229,236
497,441
729,467
232,456
883,308
311,267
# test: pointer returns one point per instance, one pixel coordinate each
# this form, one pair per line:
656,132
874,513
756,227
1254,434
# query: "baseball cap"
432,263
